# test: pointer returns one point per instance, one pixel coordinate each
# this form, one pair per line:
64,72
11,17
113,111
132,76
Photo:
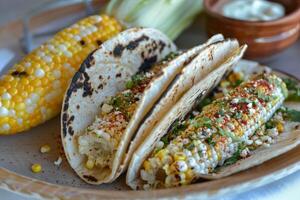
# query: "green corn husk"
169,16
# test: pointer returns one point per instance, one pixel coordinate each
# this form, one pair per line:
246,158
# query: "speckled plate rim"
252,178
234,184
263,174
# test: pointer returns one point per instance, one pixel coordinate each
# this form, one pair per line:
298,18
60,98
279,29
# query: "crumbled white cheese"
181,166
102,134
58,161
106,108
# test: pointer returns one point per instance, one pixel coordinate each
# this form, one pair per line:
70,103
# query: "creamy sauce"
251,10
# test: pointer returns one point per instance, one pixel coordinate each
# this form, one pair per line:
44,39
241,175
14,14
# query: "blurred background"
14,9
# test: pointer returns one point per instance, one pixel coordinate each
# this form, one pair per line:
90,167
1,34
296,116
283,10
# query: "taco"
214,56
112,92
238,129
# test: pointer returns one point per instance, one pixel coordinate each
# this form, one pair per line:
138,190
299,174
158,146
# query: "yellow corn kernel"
29,82
224,83
36,168
208,151
147,165
245,117
189,174
233,77
45,148
179,156
280,127
89,164
183,180
161,154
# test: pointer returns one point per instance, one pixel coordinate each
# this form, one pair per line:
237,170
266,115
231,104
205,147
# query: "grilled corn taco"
112,92
228,135
212,57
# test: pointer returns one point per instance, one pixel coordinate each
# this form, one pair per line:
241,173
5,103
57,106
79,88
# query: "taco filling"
215,136
101,139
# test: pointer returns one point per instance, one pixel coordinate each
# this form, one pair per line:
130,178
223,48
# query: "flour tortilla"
102,75
209,59
178,112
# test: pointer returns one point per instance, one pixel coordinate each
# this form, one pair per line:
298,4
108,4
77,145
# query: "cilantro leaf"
228,134
204,102
135,80
294,90
291,84
210,141
236,156
292,115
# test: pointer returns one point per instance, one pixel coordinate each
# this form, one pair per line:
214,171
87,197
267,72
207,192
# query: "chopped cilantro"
178,127
237,82
293,88
197,123
238,115
244,100
228,134
116,102
270,124
210,141
233,159
262,95
292,115
204,102
219,120
129,84
221,112
135,80
207,122
171,56
294,96
190,146
236,156
165,139
291,84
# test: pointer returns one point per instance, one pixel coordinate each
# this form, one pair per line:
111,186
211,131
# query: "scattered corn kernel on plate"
33,163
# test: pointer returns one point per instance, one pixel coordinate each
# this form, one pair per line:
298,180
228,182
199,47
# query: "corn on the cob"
32,90
215,135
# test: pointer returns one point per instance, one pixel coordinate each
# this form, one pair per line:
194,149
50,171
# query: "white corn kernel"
39,73
3,111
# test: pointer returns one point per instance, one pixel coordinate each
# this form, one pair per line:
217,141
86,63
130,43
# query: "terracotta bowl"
264,38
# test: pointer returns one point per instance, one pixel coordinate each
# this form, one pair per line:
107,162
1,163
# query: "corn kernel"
280,127
36,168
179,156
89,164
45,148
224,84
235,77
147,165
161,154
183,180
189,175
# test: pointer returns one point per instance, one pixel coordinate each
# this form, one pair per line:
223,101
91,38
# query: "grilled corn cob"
202,143
32,90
